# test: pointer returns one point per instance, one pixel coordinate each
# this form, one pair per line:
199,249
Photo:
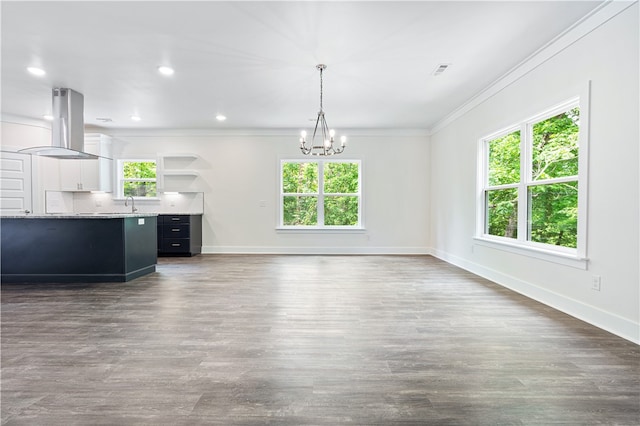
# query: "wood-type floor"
306,340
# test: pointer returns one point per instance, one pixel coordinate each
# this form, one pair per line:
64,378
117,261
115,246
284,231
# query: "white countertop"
78,216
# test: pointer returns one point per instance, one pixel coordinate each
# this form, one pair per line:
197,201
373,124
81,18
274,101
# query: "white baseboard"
608,321
314,250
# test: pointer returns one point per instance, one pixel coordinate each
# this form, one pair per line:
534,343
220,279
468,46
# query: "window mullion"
320,206
525,176
551,181
505,186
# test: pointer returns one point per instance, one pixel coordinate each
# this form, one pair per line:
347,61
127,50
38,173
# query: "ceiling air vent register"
440,69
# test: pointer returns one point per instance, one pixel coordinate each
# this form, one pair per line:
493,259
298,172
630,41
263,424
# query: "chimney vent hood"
67,141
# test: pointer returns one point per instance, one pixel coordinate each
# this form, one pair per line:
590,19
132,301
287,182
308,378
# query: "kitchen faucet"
133,204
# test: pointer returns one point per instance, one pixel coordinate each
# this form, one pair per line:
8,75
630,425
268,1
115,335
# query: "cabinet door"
90,175
85,175
105,173
70,175
98,174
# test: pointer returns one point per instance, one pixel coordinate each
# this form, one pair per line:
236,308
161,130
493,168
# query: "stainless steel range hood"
67,139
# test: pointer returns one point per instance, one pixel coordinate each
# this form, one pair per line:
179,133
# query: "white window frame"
122,180
320,194
575,257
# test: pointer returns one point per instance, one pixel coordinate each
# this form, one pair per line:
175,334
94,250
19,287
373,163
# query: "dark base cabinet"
67,250
179,235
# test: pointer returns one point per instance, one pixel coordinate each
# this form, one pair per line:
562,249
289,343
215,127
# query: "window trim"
121,180
558,254
320,227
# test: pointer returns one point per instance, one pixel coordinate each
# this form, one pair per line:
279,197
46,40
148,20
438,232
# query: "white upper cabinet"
89,175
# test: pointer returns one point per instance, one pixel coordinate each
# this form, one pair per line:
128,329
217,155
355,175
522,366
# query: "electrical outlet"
596,282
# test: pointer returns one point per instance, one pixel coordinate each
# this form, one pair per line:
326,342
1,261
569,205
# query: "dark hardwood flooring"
306,340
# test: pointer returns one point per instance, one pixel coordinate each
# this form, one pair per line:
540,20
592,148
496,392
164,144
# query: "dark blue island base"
109,248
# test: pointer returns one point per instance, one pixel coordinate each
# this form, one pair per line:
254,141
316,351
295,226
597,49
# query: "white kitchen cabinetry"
89,175
175,172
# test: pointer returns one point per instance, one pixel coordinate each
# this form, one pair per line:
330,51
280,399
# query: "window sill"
566,259
323,230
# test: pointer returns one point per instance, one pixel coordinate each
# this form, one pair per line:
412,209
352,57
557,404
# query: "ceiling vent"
440,69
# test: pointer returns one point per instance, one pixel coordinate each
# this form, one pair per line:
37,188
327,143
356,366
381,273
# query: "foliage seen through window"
551,184
320,193
139,178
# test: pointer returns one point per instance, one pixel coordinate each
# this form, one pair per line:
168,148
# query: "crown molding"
586,25
24,121
292,134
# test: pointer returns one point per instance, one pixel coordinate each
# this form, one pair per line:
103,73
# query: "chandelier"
324,146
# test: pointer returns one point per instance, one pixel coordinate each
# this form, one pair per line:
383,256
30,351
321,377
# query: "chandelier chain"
321,89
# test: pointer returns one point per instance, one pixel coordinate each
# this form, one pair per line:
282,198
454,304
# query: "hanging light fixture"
325,145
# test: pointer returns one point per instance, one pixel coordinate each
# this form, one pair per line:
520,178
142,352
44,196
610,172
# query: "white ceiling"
255,61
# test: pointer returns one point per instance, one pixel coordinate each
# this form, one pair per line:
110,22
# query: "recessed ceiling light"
220,117
164,70
48,117
36,71
135,118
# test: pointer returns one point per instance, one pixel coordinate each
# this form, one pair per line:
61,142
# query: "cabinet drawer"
175,231
175,245
169,219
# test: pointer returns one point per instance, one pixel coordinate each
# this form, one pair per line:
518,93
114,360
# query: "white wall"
238,173
608,57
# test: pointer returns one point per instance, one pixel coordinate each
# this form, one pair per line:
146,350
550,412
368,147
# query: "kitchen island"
77,247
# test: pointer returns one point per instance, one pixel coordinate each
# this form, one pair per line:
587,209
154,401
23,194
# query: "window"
531,192
137,178
320,194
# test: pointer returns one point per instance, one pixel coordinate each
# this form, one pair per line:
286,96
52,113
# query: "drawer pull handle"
175,229
175,218
176,245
